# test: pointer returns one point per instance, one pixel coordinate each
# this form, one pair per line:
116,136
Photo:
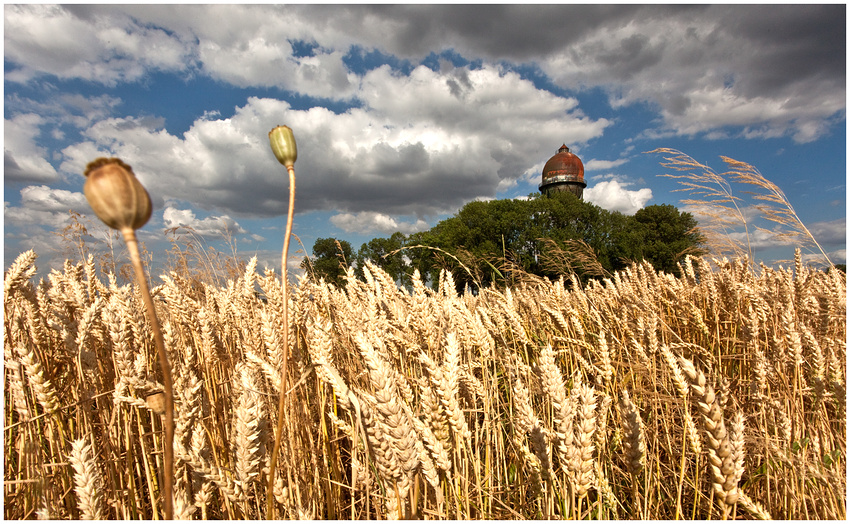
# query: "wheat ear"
720,451
44,390
585,429
87,481
634,441
19,272
527,423
402,436
564,408
248,426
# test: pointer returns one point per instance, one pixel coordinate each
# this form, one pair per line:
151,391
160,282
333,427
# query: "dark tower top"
564,172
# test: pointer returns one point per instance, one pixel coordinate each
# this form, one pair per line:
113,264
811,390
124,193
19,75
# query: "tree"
545,235
377,251
331,259
563,217
667,235
492,238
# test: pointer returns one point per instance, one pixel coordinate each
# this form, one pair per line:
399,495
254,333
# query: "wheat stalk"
746,330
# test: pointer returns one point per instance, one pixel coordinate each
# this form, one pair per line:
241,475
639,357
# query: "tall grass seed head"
283,145
116,195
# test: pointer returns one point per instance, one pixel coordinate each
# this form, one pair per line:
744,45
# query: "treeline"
496,240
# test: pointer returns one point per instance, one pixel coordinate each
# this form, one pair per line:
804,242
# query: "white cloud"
728,212
703,68
760,117
764,234
759,239
611,195
64,108
420,145
48,39
703,72
830,232
369,222
43,198
210,226
415,144
839,256
263,62
39,219
23,160
533,174
599,165
43,206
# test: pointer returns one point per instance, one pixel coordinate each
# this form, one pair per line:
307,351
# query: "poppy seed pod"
283,145
116,195
156,402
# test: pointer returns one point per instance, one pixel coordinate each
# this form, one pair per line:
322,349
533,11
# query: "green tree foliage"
331,259
378,251
667,236
542,235
494,238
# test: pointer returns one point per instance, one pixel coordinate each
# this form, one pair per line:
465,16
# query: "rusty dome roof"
564,164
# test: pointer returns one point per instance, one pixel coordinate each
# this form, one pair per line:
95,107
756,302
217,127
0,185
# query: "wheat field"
719,394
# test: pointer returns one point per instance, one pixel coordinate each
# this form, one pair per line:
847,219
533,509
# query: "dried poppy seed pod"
156,402
116,195
283,145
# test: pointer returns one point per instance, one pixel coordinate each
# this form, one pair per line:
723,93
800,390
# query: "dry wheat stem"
404,363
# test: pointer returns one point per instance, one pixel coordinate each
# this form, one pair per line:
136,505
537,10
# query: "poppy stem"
281,410
168,443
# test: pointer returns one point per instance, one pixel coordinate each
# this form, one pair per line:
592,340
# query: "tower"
563,172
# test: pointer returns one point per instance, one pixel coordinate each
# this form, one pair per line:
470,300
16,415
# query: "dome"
565,166
563,172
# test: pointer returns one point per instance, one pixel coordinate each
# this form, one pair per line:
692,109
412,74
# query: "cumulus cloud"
417,146
60,109
43,206
32,122
830,232
703,68
839,256
599,165
45,39
611,195
261,62
210,226
709,67
23,159
733,216
406,140
761,239
43,198
370,222
41,214
761,234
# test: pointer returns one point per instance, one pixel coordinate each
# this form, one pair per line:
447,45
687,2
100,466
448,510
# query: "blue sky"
403,114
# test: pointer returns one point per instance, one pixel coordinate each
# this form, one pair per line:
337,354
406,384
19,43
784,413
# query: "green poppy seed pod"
283,145
116,195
